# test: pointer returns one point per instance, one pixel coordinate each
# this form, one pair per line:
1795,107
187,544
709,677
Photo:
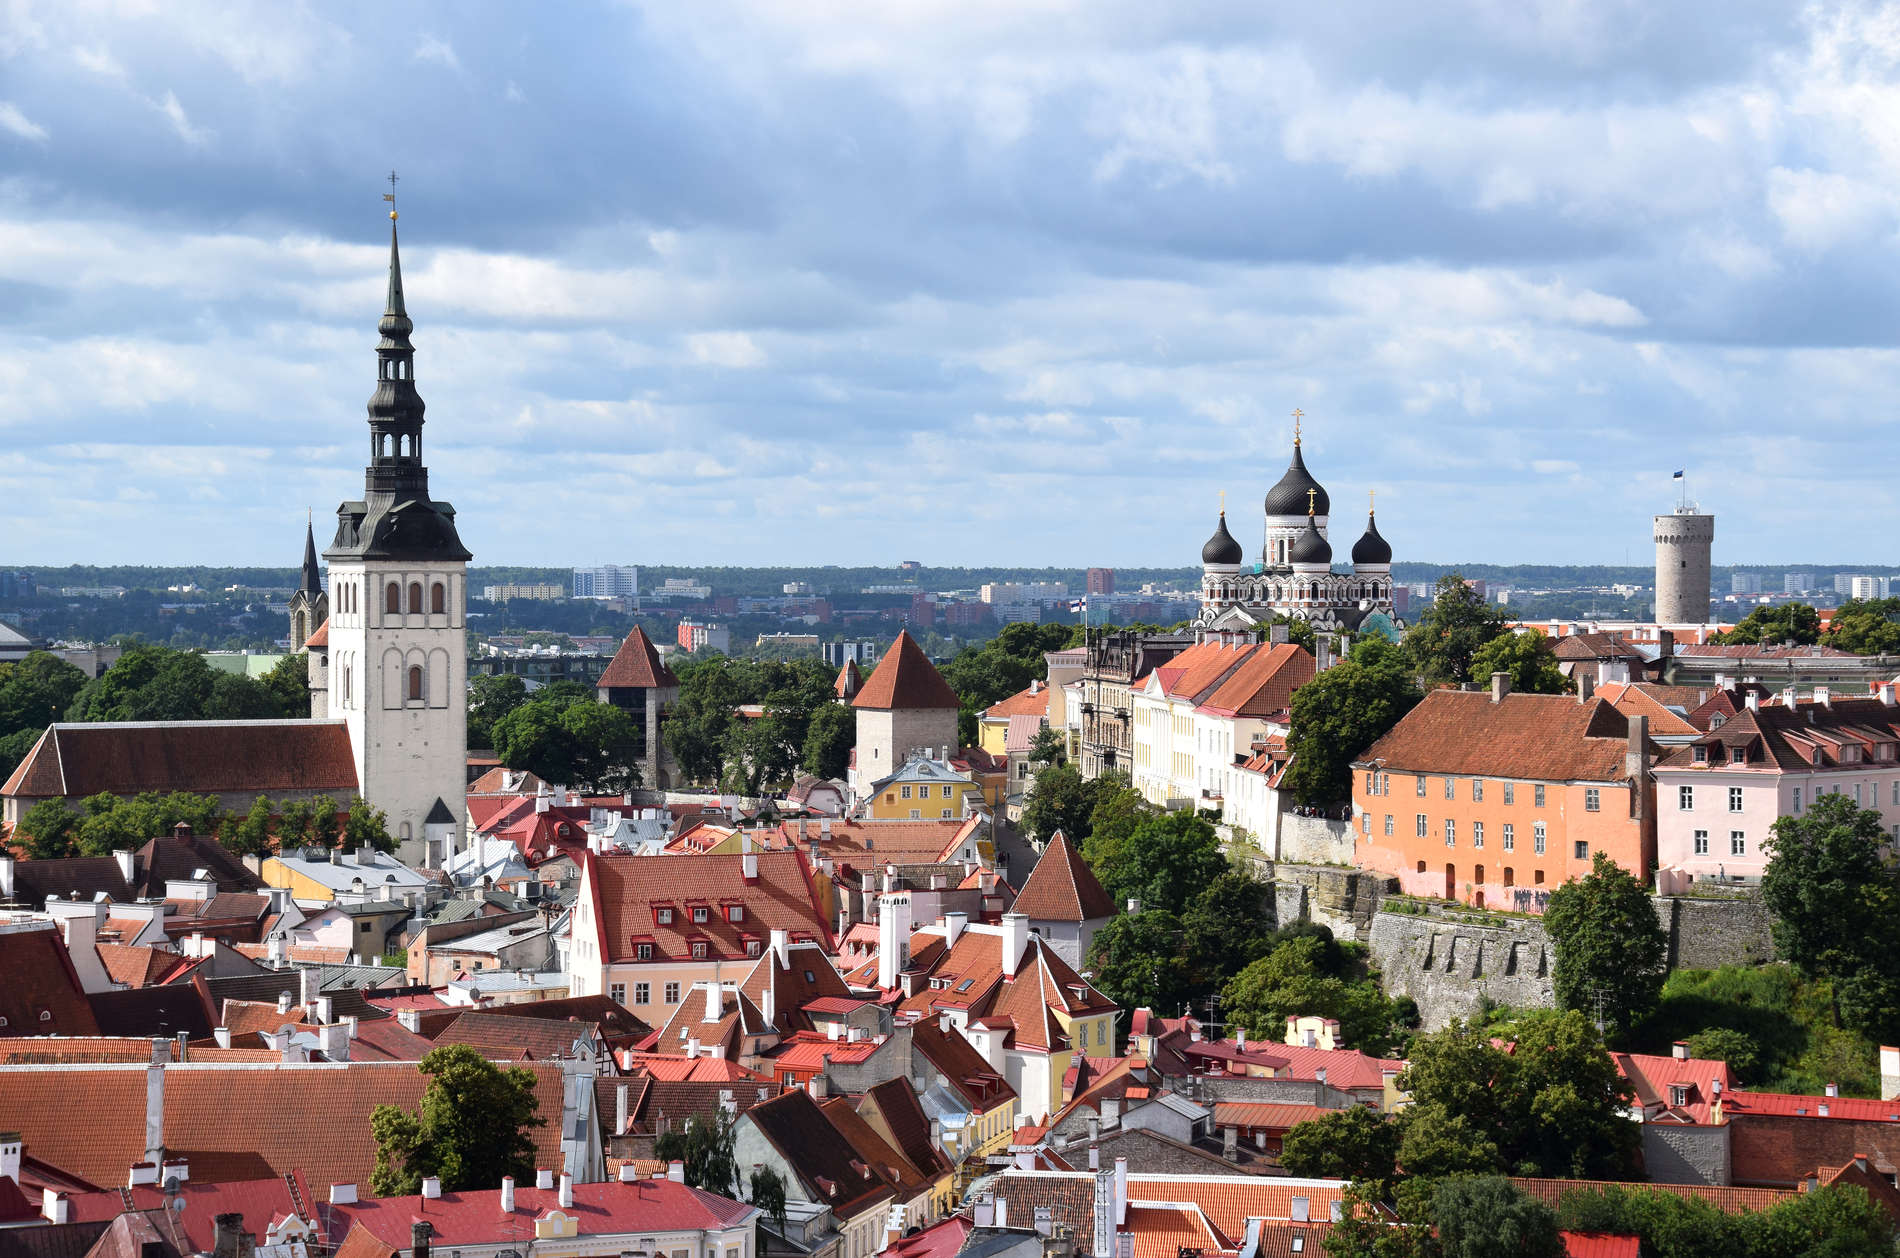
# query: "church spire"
395,409
312,583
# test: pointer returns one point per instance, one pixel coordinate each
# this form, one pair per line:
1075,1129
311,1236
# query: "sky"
963,281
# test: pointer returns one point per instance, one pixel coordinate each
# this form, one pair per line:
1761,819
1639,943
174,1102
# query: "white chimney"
782,947
12,1151
748,859
507,1194
567,1191
1015,942
1679,1050
543,1178
953,924
6,877
283,1002
1821,696
676,1171
1832,1089
1002,1212
431,1187
1754,701
344,1194
324,1008
1121,1192
629,1173
713,1002
56,1206
893,939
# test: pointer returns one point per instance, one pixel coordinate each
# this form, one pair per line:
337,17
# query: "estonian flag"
1677,476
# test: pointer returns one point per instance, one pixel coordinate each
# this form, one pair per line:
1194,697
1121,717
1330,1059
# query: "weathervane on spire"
1298,415
390,196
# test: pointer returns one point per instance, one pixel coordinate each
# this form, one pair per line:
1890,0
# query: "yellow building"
992,730
318,877
922,790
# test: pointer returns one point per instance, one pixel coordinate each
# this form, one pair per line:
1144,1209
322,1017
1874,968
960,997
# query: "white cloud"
17,123
99,61
725,349
439,51
174,113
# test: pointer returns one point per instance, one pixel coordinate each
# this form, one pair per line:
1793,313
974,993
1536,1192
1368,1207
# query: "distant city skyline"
786,284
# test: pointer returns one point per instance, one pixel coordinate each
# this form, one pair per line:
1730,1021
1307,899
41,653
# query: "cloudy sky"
987,281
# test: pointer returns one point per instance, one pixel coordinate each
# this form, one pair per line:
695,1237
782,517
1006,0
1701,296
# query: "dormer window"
663,916
752,947
1717,720
1701,755
643,952
699,950
1678,1094
701,914
735,912
1738,755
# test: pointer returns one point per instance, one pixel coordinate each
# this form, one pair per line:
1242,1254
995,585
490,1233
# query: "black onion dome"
1310,547
1221,548
1289,497
1371,548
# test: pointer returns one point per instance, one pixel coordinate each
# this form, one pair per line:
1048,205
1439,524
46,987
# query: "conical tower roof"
312,582
1062,887
849,682
905,679
636,666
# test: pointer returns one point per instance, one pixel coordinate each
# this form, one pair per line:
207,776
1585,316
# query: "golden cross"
1223,502
1372,501
1310,494
1298,415
390,196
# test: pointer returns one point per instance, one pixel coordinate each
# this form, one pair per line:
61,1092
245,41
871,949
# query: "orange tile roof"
905,679
1264,683
42,994
1600,1245
873,844
321,637
1062,888
1547,738
1170,1230
637,666
205,757
139,965
1033,700
630,890
1266,1115
1636,700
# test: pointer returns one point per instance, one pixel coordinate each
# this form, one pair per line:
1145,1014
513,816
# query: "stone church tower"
309,606
398,655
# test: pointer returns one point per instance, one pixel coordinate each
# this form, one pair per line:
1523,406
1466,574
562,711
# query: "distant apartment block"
697,635
780,643
1012,612
861,652
505,593
1797,583
1101,581
1844,582
682,587
796,589
1869,587
1024,592
1744,583
607,581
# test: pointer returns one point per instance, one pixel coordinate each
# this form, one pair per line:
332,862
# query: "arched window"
415,597
415,682
438,599
392,602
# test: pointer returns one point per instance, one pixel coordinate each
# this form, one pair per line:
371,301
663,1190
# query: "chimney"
893,939
1889,1073
324,1009
1121,1192
228,1237
127,870
1823,697
986,1211
953,924
155,1101
714,1004
1134,905
1002,1212
1754,701
1015,942
1636,759
55,1206
6,876
349,1026
1045,1221
11,1150
1679,1050
543,1178
676,1171
621,1114
142,1173
566,1197
432,1187
335,1039
342,1194
1665,643
410,1020
629,1173
1885,691
768,1005
507,1194
1832,1089
748,859
1586,687
1095,1154
1500,686
782,947
421,1230
283,1002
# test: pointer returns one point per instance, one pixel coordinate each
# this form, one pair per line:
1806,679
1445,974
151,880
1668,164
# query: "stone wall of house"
1706,932
1315,840
1342,899
1449,965
1686,1155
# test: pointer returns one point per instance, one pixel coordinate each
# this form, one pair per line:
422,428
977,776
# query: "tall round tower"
1683,539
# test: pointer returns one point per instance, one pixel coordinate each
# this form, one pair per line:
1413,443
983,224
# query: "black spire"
395,409
312,583
1371,548
1221,548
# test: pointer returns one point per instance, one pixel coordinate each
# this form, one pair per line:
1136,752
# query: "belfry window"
415,682
438,599
415,597
392,601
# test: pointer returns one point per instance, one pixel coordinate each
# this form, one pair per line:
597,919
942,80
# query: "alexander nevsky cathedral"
1294,577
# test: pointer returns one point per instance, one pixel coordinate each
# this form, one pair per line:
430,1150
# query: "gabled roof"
629,890
530,1039
182,854
137,965
807,977
203,757
906,680
637,666
41,994
476,1218
874,1150
830,1171
1530,737
321,638
73,877
849,682
1264,683
1062,888
617,1024
1032,700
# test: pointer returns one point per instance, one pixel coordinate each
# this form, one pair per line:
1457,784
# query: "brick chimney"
419,1233
1500,686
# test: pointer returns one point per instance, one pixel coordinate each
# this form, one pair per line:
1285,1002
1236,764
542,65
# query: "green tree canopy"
1612,953
1530,659
1450,631
1788,622
988,674
1064,801
35,692
288,683
1138,962
108,823
829,738
1866,626
157,683
471,1128
48,831
251,836
1836,1221
490,698
1166,861
367,826
1487,1217
1306,973
1340,713
706,1146
1357,1143
1225,927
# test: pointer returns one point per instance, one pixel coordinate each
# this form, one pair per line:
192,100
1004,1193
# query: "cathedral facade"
1293,578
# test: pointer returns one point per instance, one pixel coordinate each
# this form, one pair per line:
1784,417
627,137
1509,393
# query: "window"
643,952
1896,792
1738,755
752,947
1388,825
1510,792
672,992
904,791
1718,721
1372,784
946,814
415,597
916,814
1385,784
1581,850
1451,833
1797,796
1510,837
1450,787
1477,834
1592,799
1421,786
642,992
1685,798
1477,790
1537,795
1735,798
617,992
438,599
1701,755
700,913
1737,843
392,599
1421,825
1732,808
949,792
1537,838
1537,878
664,916
1701,842
735,912
415,682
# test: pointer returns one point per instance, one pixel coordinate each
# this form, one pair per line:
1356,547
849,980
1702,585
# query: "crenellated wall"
1449,967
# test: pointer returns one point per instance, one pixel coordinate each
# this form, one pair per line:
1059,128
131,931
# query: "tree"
34,692
829,737
1789,622
1063,801
1528,657
1164,863
149,683
1738,1049
470,1130
1450,631
1487,1217
766,1190
705,1145
1118,809
1225,927
1048,747
532,738
47,831
108,823
490,698
1340,713
288,683
1357,1143
605,747
1138,961
294,823
1366,1230
1435,1143
324,824
367,826
1612,953
1866,626
251,836
1310,974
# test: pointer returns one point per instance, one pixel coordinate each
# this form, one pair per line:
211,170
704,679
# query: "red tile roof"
1545,738
204,757
807,983
631,889
139,965
1264,683
874,844
476,1218
636,666
42,994
1030,701
939,1240
321,637
850,680
1062,888
905,679
1636,700
1790,1104
1265,1115
1601,1245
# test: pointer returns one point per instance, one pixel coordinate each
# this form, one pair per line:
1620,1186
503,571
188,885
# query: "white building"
607,581
1194,715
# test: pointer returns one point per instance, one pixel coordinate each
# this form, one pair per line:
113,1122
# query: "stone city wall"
1449,966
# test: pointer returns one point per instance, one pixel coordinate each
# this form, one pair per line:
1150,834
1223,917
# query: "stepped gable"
636,666
905,679
1062,888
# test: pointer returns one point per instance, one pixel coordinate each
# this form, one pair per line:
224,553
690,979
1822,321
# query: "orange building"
1493,798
